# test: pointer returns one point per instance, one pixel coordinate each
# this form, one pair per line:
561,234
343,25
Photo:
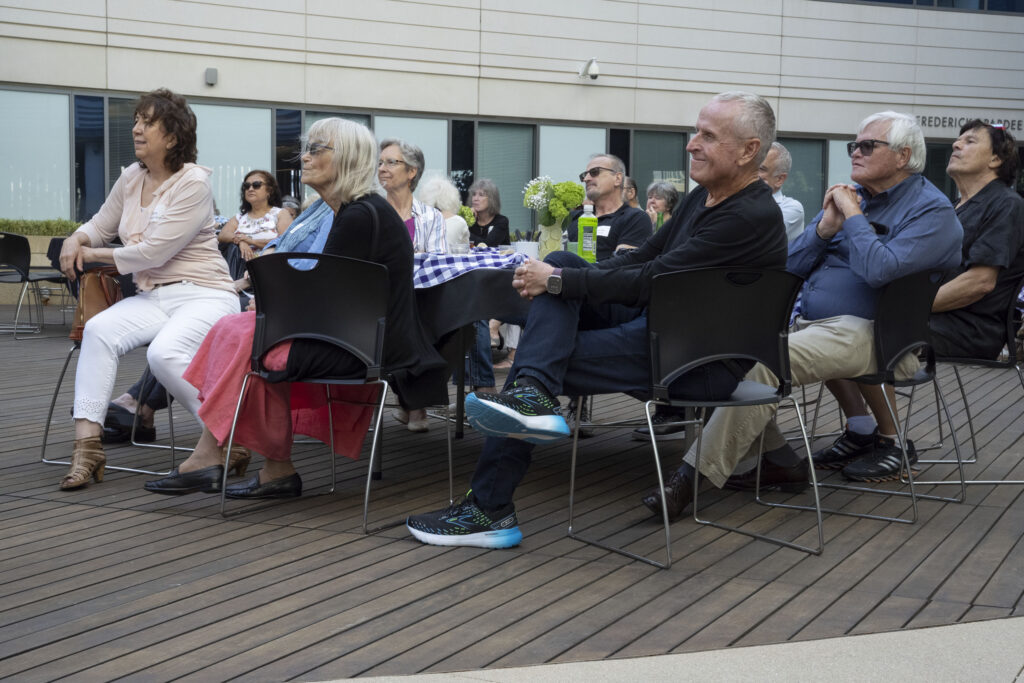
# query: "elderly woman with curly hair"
338,161
162,209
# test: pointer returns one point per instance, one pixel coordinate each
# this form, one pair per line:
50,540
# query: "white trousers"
172,319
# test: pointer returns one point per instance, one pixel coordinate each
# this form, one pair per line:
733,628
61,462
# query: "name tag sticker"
603,230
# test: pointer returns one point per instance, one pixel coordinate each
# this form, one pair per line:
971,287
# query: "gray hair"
354,160
756,118
666,191
439,192
904,131
411,155
784,162
616,164
490,190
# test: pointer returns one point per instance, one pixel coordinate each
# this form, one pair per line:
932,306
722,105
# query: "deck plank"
111,582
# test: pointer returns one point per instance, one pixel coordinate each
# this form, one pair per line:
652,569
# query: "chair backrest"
341,301
901,319
703,315
15,252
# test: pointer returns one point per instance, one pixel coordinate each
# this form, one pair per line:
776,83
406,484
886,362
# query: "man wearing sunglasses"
891,223
619,226
969,313
586,332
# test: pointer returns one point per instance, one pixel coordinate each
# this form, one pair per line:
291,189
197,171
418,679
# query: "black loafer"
678,495
206,480
282,487
121,434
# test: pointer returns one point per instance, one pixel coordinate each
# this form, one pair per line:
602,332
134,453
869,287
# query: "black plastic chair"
16,268
352,319
701,316
901,327
1012,361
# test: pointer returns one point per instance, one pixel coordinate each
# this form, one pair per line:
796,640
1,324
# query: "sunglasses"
866,147
256,184
316,148
594,172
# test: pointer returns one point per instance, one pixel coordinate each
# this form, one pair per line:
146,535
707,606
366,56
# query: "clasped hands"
531,278
841,202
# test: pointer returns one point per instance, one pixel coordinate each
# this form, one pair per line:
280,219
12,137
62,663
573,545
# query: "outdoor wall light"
211,77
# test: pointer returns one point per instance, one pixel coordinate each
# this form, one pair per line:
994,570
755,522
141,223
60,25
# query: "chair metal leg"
813,550
661,484
49,419
967,482
940,444
231,441
374,456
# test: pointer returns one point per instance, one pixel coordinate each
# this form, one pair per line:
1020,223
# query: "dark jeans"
148,391
479,371
574,348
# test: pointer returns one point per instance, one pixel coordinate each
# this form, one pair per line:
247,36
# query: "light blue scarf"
305,225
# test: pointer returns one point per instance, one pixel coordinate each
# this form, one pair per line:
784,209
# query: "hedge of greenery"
58,227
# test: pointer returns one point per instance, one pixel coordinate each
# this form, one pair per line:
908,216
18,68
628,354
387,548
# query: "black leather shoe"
791,479
120,434
206,480
678,495
282,487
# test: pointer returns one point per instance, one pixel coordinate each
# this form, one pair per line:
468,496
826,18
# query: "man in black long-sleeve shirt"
586,332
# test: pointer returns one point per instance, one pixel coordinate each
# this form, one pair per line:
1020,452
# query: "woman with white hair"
399,170
440,193
339,162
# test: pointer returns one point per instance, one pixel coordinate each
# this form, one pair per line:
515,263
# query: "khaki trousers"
831,348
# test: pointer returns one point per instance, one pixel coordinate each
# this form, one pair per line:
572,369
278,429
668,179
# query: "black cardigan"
414,366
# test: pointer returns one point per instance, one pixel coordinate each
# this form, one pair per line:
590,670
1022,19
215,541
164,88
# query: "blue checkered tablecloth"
430,270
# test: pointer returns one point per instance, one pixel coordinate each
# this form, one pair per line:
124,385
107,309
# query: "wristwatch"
554,285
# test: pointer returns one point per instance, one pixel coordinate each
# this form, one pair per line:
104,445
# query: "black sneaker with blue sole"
466,524
524,411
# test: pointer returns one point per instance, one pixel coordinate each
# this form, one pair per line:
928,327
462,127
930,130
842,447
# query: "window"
565,150
937,159
806,181
288,130
463,144
430,135
232,141
89,187
838,166
505,155
121,148
35,164
658,156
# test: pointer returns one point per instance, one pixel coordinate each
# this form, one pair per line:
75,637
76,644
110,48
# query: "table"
455,305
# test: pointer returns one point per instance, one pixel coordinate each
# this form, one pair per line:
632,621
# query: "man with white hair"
774,171
891,223
586,331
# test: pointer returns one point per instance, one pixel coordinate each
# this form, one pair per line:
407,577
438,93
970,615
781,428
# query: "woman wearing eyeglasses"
162,210
338,161
260,217
399,171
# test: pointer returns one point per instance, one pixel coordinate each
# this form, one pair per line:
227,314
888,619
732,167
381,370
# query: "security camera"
590,69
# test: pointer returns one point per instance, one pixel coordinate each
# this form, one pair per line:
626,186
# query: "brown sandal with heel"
239,461
87,460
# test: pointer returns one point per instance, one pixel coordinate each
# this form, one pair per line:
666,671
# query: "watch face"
554,285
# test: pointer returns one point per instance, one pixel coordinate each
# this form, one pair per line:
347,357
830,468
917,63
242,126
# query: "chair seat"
922,376
747,393
38,274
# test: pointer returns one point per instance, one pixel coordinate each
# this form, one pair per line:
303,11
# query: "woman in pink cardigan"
162,209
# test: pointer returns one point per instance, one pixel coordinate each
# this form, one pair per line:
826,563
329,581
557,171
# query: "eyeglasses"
594,172
256,184
315,148
866,147
390,163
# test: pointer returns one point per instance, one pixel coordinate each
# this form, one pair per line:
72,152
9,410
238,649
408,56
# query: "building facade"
505,90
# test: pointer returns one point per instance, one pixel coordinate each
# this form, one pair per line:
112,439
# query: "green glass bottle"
587,234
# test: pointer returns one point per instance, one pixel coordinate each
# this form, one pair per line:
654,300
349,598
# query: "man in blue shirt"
893,222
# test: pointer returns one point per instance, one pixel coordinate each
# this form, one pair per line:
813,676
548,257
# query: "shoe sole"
497,420
502,538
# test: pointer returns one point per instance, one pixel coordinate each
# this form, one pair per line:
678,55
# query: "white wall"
824,65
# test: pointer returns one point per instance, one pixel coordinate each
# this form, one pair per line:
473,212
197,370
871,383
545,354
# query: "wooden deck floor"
111,582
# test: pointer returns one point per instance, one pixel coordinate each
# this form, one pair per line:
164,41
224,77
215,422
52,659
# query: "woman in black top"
490,228
339,161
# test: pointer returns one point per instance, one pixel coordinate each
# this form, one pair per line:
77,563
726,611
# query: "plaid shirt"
430,270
